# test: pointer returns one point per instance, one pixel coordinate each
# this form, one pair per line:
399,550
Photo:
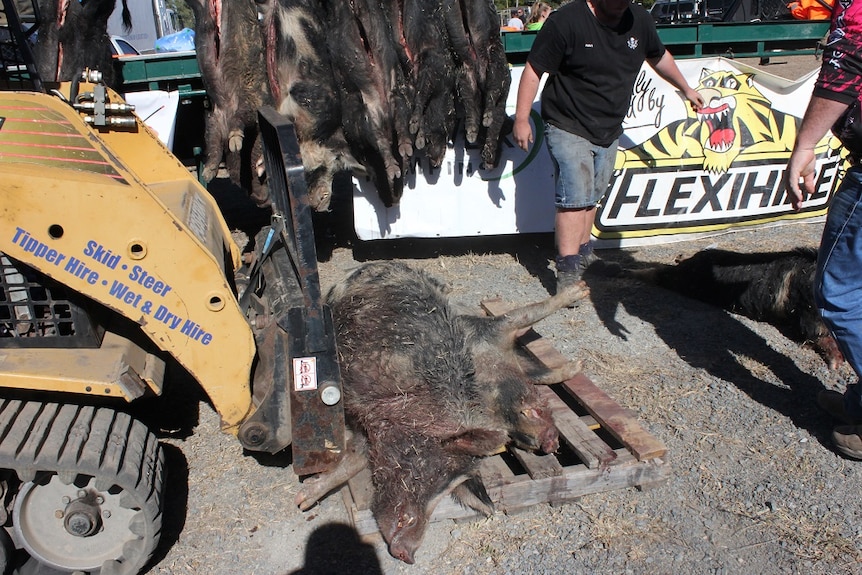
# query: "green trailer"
172,71
730,39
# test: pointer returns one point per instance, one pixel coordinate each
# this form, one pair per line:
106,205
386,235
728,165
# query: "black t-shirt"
592,68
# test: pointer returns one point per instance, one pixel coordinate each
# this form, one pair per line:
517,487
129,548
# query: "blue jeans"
838,281
583,169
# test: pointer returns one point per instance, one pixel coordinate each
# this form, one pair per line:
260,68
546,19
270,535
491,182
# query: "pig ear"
479,442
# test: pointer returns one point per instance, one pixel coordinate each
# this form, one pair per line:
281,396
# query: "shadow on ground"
710,339
336,549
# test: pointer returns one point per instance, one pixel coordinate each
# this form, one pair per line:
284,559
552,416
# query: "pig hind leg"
355,460
528,315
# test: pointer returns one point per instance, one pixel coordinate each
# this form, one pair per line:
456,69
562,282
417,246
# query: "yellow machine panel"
115,216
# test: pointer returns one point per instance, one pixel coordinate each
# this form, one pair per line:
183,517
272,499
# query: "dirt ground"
755,485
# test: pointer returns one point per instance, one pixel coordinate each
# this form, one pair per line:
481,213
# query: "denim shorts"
583,169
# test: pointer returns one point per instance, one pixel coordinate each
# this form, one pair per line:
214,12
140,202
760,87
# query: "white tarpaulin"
679,174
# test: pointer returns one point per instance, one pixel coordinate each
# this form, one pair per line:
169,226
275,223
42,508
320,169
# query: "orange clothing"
811,9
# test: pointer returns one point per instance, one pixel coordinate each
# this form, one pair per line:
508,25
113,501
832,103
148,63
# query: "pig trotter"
472,494
235,139
315,488
563,373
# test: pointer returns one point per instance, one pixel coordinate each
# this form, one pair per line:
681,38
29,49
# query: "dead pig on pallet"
430,391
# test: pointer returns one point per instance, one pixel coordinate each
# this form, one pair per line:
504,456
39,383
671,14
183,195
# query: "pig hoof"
303,501
472,133
393,171
405,149
572,369
208,173
574,292
320,202
235,142
308,496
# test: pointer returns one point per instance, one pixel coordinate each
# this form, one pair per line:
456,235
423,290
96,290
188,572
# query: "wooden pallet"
603,448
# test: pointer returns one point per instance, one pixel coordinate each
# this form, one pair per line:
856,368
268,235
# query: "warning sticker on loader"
305,373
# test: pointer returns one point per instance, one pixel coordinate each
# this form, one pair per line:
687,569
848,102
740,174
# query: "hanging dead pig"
302,83
73,36
483,77
428,392
433,120
370,83
776,287
374,91
230,53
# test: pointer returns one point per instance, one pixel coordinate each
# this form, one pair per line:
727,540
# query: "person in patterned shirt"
835,103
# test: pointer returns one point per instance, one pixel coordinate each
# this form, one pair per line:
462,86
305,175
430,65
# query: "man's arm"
820,115
666,67
527,90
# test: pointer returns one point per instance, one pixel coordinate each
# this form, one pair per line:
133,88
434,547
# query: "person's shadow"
336,549
710,339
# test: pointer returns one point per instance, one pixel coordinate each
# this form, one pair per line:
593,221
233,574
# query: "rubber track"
102,443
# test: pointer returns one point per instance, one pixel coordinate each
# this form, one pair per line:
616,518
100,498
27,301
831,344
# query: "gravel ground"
755,486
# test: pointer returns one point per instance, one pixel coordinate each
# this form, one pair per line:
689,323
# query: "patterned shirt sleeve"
840,76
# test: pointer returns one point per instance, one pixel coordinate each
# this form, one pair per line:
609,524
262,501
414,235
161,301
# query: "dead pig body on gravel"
428,392
775,287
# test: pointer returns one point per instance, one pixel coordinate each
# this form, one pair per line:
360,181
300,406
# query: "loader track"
90,493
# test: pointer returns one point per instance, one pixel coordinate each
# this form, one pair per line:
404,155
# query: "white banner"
679,174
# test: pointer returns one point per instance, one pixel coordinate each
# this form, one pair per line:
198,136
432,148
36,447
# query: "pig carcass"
428,392
483,78
230,54
370,72
369,83
776,287
73,36
433,120
301,78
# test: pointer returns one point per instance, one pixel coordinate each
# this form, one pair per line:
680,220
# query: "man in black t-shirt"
593,51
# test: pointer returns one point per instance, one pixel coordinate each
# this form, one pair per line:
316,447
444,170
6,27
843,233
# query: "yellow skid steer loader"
115,262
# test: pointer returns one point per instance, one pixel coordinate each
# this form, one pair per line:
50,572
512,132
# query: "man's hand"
527,90
696,99
799,175
523,133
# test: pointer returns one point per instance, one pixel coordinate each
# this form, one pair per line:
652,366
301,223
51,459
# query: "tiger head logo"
736,115
737,120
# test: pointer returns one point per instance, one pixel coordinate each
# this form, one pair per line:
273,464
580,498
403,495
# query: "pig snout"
535,430
827,346
404,535
551,441
402,552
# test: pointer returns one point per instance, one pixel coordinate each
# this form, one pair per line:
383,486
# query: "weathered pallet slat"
576,433
618,420
603,449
